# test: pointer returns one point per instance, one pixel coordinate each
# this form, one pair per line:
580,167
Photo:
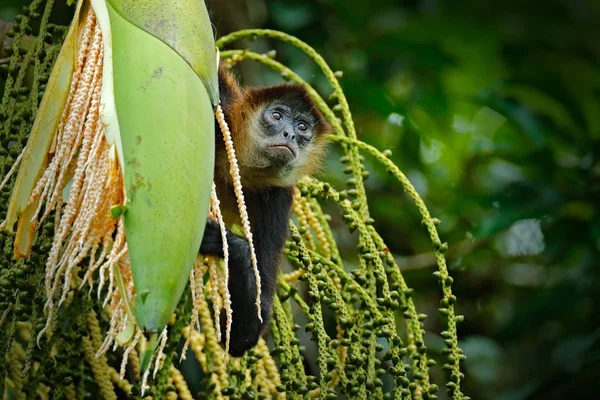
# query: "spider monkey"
279,136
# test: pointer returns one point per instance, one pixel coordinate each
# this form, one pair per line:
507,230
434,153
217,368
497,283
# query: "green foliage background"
493,111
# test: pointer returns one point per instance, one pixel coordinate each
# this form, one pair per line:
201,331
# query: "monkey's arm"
269,212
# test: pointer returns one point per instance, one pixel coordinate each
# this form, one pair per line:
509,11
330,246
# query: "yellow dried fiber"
101,374
218,359
294,275
317,227
122,383
179,382
70,393
299,209
14,367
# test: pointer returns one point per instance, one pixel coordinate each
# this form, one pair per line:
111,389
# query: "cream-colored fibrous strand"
223,288
303,209
299,209
213,271
316,226
237,185
117,311
159,356
197,290
118,251
197,287
269,374
144,385
128,350
293,276
197,341
13,168
71,111
113,330
180,383
82,158
220,376
69,135
80,184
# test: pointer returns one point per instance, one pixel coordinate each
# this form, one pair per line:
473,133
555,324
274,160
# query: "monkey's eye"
276,115
302,126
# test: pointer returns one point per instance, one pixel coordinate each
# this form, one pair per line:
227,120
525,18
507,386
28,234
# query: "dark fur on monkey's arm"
269,212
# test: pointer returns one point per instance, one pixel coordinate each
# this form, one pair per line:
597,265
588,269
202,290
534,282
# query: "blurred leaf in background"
492,109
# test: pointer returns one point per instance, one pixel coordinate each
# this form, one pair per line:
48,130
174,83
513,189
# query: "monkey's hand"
212,241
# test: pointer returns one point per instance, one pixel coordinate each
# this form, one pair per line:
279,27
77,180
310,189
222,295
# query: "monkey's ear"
229,88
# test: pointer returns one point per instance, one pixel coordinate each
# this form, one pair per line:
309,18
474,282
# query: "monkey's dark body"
270,158
269,213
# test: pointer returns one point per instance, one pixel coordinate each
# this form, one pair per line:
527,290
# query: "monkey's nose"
286,135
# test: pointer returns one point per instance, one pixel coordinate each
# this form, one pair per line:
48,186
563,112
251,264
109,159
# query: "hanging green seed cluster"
21,281
369,340
366,300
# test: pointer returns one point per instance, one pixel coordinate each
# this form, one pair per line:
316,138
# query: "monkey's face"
286,134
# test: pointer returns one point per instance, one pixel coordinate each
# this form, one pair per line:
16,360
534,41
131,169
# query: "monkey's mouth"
284,148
